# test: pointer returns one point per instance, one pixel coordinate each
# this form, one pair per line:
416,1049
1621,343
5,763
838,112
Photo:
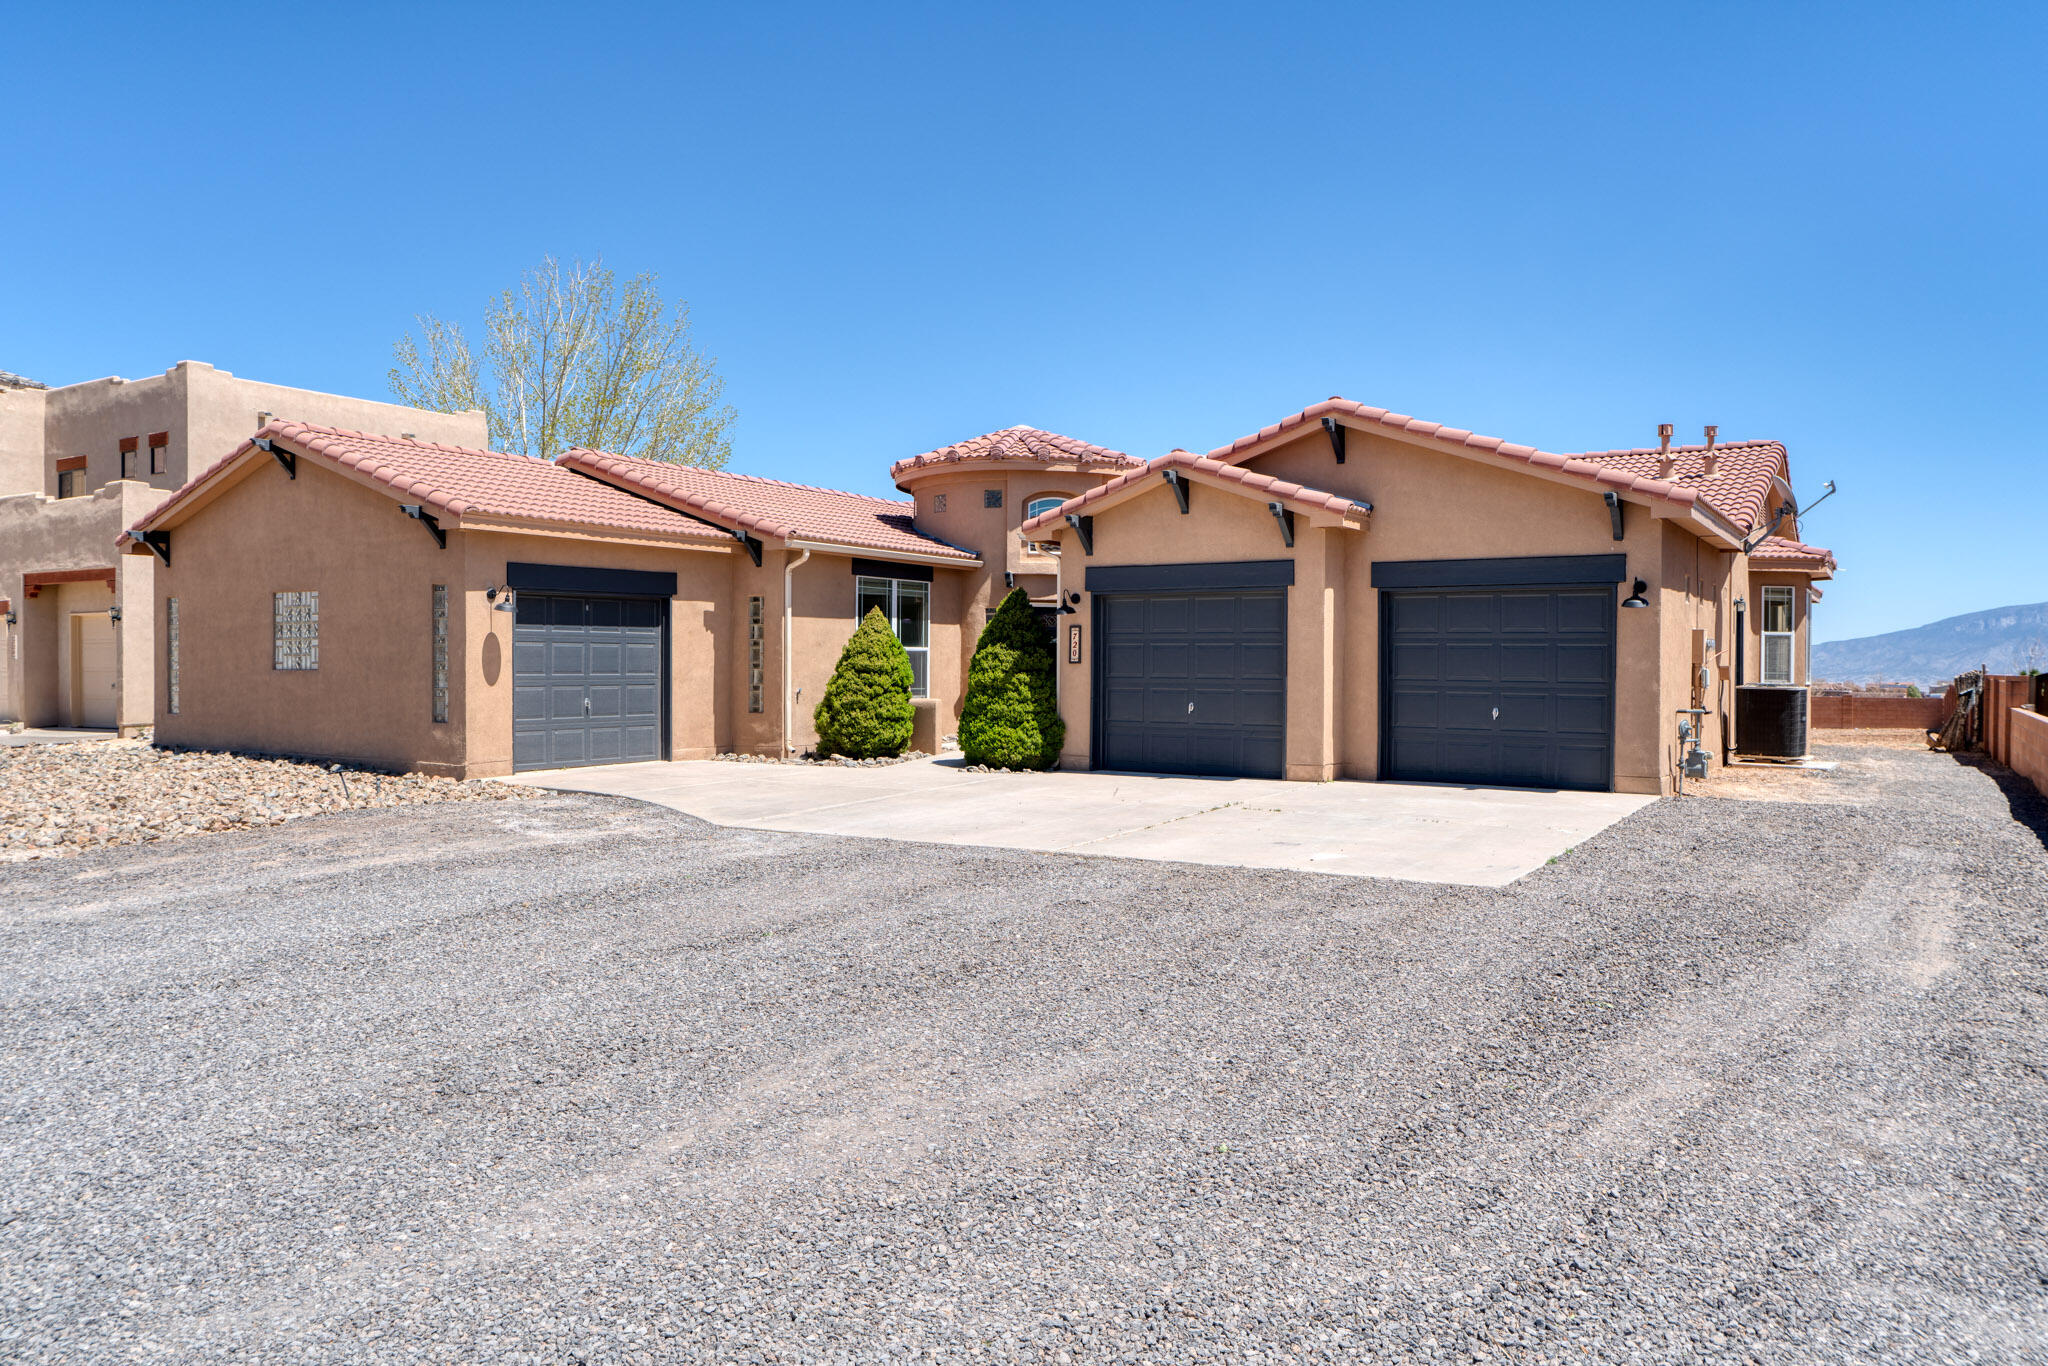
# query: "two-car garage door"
1490,671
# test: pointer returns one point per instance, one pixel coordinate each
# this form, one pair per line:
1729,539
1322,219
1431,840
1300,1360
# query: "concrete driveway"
1473,836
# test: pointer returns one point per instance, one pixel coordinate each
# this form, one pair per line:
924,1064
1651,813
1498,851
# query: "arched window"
1045,502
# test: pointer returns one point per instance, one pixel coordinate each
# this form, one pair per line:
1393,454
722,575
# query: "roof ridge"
737,474
349,433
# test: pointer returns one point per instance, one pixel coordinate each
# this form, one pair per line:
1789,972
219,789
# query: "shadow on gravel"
2027,804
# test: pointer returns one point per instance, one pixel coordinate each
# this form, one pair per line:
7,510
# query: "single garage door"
1510,686
586,680
1192,682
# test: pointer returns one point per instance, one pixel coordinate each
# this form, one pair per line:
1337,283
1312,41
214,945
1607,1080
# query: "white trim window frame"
907,603
1044,502
1776,622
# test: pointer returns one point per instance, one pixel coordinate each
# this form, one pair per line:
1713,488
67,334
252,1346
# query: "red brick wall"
2027,747
1854,711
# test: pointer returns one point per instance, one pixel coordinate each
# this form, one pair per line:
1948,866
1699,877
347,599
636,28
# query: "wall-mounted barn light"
1636,598
491,595
114,612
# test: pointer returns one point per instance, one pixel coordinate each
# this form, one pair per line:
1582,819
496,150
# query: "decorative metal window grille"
991,498
938,502
754,645
295,634
440,652
171,650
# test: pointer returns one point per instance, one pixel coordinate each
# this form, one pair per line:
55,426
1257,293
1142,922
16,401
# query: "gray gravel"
575,1080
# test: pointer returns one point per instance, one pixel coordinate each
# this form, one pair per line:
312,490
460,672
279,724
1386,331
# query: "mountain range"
2008,639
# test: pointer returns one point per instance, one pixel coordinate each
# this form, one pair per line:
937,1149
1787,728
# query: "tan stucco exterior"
202,413
1427,504
242,539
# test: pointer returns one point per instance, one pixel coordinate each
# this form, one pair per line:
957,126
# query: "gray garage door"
586,680
1192,682
1508,686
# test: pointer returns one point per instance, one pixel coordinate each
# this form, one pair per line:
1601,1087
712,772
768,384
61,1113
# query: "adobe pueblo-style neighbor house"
1347,593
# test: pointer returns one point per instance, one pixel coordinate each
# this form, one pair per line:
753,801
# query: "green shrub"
1011,718
1913,690
867,713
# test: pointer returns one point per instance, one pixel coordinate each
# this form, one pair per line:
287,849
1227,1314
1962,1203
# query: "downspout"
788,664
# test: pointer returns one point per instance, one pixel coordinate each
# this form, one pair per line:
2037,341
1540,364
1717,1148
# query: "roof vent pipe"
1664,438
1713,435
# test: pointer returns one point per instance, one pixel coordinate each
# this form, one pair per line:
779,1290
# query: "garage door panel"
1578,663
586,683
1584,612
1583,714
1467,710
1526,663
1415,659
1543,659
1192,682
1418,612
1466,614
1464,661
1524,613
1415,708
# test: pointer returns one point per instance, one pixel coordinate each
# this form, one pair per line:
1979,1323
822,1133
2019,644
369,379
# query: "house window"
1777,628
128,445
938,502
70,483
295,631
159,452
991,498
171,651
755,639
907,605
440,652
1043,503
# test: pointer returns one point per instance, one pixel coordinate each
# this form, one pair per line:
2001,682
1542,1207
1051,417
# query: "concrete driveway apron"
1472,836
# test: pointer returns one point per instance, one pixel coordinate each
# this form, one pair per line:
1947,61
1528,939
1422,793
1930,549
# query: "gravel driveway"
572,1080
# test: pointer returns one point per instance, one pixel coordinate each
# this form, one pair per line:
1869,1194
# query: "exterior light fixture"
1636,599
11,618
493,593
114,612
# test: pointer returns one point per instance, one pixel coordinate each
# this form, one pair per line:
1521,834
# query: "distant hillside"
2006,638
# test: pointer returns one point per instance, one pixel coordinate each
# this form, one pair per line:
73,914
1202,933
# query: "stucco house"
1346,593
79,464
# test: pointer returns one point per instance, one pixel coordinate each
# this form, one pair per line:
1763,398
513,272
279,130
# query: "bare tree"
572,358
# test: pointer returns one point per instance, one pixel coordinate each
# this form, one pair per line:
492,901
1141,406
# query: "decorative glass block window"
1777,628
755,639
991,498
908,606
938,502
295,631
440,652
171,651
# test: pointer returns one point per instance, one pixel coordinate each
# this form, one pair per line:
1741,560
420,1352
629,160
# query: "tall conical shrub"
867,713
1011,718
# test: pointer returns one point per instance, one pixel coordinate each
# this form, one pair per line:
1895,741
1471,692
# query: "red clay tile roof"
1261,485
771,507
456,482
1019,443
1737,491
1773,551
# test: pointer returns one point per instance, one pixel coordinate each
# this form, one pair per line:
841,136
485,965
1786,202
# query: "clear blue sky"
1156,227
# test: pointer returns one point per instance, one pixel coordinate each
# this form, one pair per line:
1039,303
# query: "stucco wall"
2027,746
1856,711
21,441
39,534
1427,505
